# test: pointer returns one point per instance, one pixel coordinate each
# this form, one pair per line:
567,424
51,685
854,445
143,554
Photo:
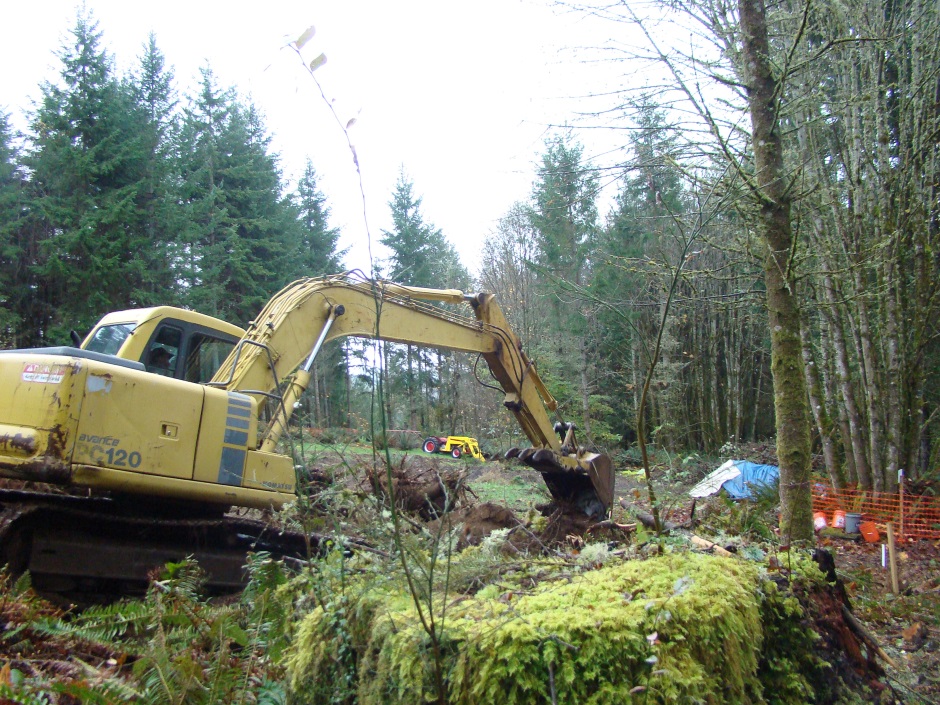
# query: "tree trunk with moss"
793,429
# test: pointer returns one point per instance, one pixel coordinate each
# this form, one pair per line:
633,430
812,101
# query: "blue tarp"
737,478
752,475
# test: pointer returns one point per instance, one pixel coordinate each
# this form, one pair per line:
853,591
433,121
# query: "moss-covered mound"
681,628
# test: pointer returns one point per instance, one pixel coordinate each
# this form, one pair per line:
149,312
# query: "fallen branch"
865,636
710,546
647,519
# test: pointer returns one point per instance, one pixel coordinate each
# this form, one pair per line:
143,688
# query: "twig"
610,524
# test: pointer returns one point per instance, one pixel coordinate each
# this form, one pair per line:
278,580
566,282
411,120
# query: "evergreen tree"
317,252
236,249
17,293
205,230
152,88
651,190
564,210
417,247
316,255
261,260
418,251
86,165
564,215
651,193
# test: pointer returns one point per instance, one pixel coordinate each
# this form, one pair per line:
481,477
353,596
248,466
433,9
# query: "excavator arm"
275,356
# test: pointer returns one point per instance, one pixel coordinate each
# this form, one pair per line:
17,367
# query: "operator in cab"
159,361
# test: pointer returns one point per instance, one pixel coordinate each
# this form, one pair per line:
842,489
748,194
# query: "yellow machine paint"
121,427
37,435
89,421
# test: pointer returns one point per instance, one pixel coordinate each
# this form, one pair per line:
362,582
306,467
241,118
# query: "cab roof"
156,313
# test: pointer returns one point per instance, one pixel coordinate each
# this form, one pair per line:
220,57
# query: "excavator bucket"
587,484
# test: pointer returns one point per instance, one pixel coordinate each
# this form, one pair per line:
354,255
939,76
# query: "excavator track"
93,549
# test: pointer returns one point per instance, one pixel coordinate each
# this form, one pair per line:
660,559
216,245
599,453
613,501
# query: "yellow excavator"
162,419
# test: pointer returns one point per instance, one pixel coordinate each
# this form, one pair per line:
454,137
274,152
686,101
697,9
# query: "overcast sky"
459,94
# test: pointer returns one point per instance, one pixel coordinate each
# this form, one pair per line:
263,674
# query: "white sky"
460,94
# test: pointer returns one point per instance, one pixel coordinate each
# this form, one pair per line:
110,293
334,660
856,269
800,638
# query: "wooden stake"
901,494
892,559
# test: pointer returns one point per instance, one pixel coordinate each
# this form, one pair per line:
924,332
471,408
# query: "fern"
183,649
104,692
102,624
23,584
271,693
21,696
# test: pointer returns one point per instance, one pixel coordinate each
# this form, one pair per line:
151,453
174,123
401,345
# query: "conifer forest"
757,267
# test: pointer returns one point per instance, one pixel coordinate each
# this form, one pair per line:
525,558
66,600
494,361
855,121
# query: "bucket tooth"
511,453
526,454
545,458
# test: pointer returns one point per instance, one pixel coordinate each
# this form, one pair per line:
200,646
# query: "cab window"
206,355
162,354
109,339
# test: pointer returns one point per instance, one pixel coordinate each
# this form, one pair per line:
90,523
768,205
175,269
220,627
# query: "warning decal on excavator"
235,440
44,374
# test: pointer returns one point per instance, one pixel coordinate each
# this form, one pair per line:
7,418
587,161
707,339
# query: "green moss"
787,655
678,628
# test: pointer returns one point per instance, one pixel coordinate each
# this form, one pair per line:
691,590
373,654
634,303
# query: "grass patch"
517,491
358,449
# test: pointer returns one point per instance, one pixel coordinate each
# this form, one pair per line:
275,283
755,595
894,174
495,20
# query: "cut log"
710,546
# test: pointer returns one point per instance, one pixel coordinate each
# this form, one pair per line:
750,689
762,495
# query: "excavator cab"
169,342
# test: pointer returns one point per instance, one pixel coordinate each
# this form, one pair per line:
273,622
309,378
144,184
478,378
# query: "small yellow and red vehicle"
456,446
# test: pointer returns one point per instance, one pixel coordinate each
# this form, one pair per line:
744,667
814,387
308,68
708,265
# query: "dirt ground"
495,495
906,626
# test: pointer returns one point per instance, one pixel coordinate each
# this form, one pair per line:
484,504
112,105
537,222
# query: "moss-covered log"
674,629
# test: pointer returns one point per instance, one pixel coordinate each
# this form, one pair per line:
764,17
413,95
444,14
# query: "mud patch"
563,528
478,522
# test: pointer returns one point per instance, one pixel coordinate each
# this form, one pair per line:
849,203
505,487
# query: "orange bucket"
819,521
838,519
869,531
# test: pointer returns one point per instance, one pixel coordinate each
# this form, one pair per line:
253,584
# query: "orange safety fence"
918,518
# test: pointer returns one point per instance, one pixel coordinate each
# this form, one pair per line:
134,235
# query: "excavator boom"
278,344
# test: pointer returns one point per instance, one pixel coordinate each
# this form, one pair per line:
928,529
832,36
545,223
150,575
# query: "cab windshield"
109,339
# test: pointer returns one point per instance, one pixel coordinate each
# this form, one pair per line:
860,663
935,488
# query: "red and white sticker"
44,374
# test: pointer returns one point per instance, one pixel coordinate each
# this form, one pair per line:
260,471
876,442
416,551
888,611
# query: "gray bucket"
852,520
